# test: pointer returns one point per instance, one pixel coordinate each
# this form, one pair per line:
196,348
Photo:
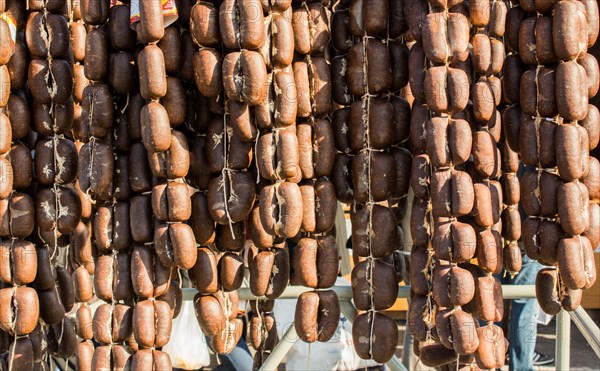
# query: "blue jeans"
522,323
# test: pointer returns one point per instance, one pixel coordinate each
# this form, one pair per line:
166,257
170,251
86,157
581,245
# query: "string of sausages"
456,213
557,77
227,141
106,222
81,261
20,318
58,205
370,169
315,257
277,213
487,57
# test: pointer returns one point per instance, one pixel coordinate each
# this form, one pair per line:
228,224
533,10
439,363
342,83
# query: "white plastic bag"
543,318
187,346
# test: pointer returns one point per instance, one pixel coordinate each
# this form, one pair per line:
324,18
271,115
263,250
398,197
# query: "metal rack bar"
281,349
589,329
563,340
345,292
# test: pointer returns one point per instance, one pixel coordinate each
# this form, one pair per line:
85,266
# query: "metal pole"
395,364
293,292
345,292
588,328
187,294
518,291
349,311
563,340
281,349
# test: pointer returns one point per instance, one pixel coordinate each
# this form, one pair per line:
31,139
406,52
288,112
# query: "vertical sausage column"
270,122
366,177
540,91
576,82
212,312
201,26
174,164
538,125
80,246
530,95
512,116
58,207
149,277
380,121
439,78
487,57
113,222
19,264
218,269
21,160
92,128
51,120
554,233
171,202
401,99
170,244
278,215
111,323
228,72
422,262
81,263
512,68
315,258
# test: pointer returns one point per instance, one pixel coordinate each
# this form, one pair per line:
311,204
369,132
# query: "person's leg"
523,320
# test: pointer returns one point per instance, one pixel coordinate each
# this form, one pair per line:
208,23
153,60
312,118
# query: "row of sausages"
556,79
459,212
369,74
